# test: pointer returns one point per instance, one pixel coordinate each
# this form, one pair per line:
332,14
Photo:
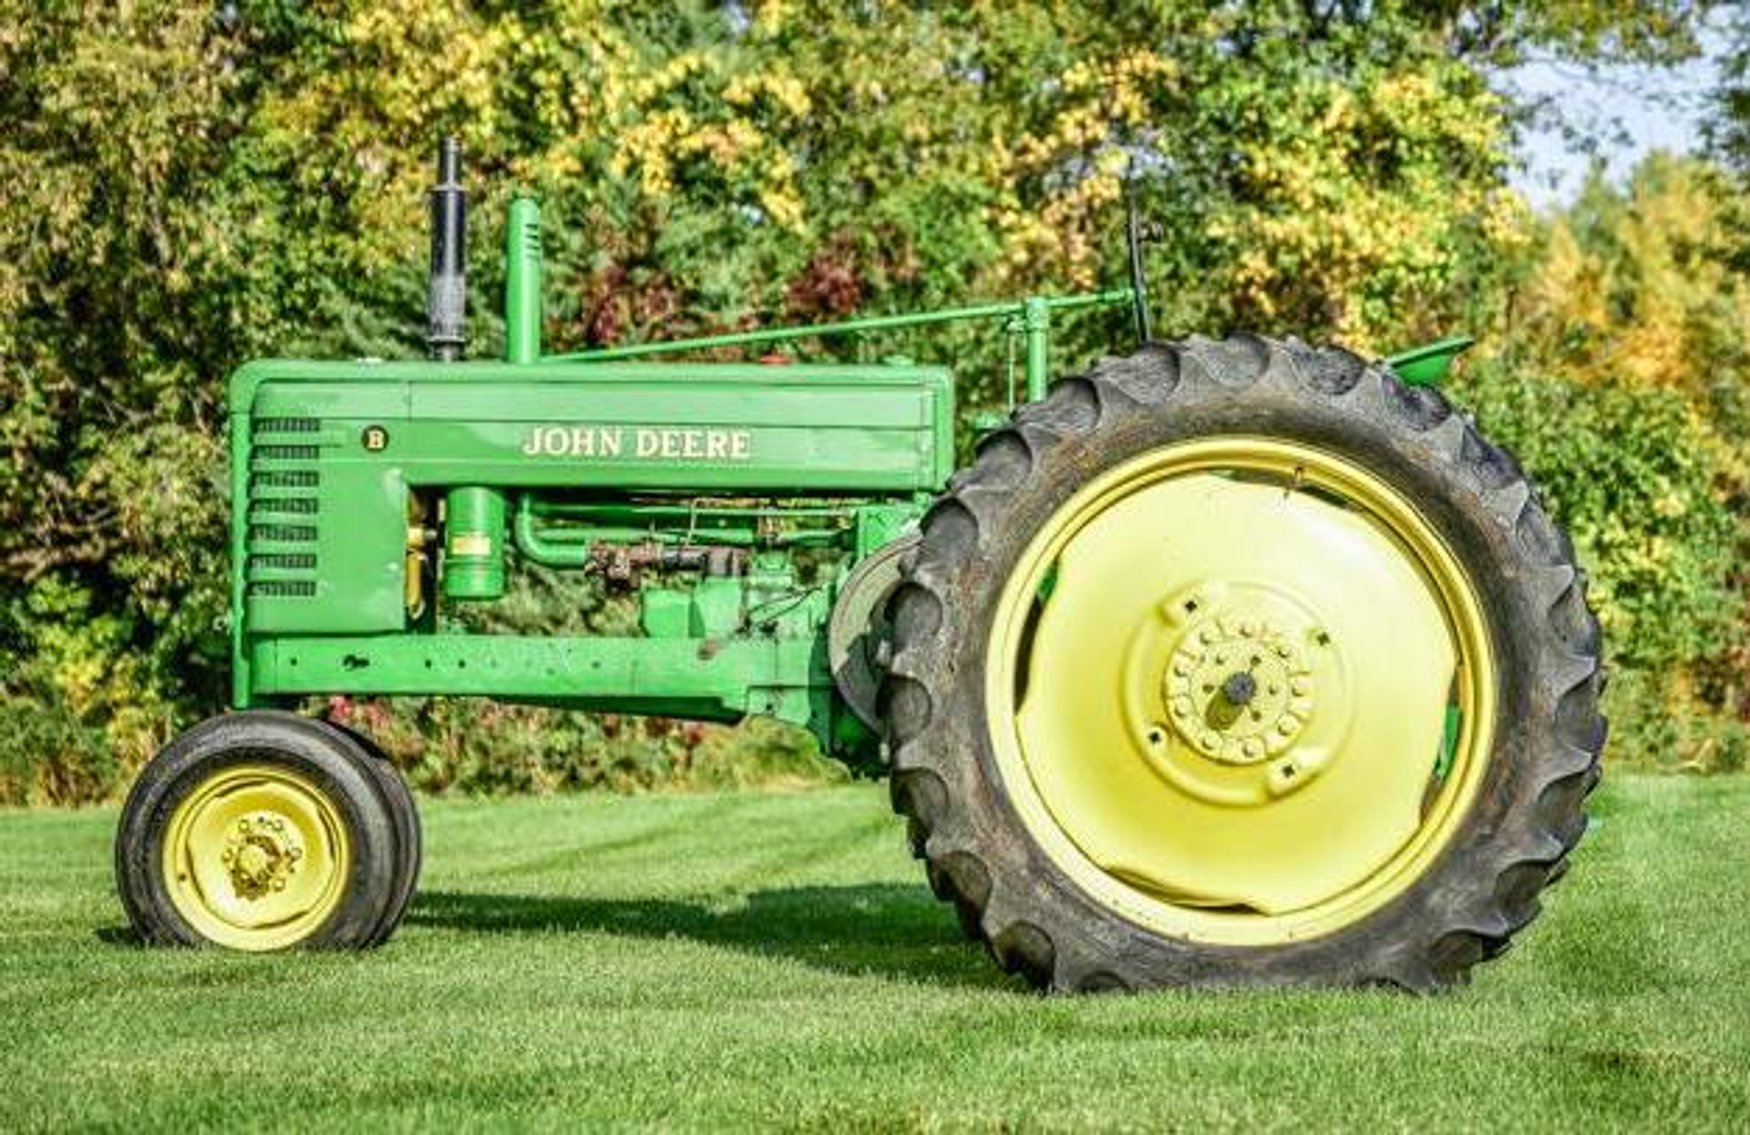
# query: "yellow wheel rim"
256,857
1240,691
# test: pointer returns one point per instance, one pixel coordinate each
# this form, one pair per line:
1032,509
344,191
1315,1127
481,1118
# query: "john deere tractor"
1228,661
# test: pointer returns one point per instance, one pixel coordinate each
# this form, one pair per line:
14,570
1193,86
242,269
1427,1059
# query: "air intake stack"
447,300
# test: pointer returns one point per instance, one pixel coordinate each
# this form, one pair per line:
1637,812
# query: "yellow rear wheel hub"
1238,688
1223,682
256,857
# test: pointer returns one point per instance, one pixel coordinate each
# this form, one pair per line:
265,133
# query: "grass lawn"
743,960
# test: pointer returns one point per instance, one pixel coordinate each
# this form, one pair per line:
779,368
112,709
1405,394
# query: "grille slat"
282,533
284,479
284,589
282,506
287,452
283,561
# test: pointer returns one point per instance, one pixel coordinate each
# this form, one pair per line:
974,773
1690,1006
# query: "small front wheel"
260,831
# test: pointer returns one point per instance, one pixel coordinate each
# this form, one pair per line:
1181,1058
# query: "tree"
186,187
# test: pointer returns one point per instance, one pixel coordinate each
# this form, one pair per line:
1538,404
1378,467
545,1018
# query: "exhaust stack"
447,299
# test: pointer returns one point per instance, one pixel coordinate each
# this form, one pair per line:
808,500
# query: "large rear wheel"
1241,662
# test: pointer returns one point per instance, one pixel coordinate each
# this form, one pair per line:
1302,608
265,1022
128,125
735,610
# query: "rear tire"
1019,873
260,831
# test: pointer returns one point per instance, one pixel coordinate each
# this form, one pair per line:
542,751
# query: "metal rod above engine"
447,299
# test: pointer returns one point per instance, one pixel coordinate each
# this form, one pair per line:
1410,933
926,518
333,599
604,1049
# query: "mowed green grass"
774,960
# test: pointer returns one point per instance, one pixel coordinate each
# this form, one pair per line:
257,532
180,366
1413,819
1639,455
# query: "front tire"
1242,663
261,831
409,834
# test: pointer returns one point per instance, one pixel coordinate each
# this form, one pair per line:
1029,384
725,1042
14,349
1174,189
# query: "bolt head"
1239,688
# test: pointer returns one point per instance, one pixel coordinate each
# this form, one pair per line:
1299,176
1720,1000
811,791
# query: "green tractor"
1225,662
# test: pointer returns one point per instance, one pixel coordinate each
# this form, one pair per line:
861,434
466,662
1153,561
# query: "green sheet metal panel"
704,428
324,537
325,454
717,680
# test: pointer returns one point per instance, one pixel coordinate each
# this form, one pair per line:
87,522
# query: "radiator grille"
284,508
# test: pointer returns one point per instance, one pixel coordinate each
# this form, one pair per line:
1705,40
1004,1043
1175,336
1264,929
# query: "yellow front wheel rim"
256,857
1241,691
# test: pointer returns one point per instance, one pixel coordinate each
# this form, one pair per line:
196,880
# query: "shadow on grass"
885,930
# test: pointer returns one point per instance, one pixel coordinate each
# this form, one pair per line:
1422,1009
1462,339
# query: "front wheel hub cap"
262,853
1238,689
257,856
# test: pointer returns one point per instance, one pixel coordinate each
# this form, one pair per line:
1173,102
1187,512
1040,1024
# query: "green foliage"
187,187
1644,486
473,746
1658,721
1639,481
1635,283
1729,127
48,755
1619,377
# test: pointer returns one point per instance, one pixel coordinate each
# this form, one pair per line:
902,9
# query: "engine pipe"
447,294
473,564
522,282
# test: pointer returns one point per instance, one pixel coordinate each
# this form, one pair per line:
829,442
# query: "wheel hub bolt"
1240,688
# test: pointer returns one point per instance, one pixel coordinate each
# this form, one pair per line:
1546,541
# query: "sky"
1631,110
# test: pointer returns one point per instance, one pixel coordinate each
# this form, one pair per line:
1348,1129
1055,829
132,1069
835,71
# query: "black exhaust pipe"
446,307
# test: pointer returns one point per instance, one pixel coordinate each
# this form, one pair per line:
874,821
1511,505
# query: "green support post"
522,286
1036,313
